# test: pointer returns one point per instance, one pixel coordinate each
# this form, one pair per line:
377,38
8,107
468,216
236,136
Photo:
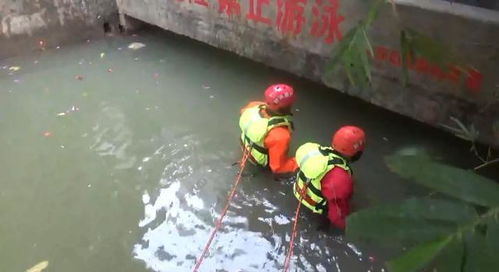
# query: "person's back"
324,183
266,129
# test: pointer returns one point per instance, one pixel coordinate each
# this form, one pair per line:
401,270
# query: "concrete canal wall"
299,35
27,25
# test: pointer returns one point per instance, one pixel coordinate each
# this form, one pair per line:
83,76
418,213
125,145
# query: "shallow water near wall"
121,160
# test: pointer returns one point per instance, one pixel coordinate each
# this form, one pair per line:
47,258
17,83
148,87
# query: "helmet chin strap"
356,157
284,111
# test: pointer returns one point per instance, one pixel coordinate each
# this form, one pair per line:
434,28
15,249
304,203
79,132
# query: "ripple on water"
180,215
112,137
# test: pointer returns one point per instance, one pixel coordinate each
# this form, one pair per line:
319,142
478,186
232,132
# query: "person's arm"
277,142
337,188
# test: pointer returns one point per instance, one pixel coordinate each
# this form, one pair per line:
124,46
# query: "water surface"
121,160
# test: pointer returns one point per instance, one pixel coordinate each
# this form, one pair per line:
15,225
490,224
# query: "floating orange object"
47,134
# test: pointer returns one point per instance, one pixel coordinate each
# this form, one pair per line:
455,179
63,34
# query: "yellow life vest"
254,128
315,162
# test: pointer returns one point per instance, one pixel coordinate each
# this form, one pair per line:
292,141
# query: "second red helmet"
349,140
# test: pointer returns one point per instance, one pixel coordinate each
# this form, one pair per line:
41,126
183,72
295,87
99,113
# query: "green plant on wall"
354,51
456,229
354,54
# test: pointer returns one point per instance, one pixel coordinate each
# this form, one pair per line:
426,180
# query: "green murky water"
122,163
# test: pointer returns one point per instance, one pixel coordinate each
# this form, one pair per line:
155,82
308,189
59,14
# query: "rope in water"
218,224
287,261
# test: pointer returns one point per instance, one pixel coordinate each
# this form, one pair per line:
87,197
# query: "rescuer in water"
327,176
266,129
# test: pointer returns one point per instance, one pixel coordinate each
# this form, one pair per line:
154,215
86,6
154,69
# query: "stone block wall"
27,25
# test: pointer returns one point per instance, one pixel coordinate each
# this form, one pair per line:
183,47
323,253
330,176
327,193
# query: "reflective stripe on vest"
317,161
254,129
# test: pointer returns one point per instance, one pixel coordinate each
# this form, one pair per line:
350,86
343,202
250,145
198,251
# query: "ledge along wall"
28,25
299,35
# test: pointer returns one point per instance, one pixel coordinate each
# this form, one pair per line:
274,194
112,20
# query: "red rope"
224,211
287,261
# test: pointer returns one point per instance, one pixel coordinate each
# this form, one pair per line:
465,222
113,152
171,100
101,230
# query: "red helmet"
279,96
349,140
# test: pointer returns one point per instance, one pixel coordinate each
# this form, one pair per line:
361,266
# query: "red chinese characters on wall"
255,11
201,2
290,16
229,7
473,78
198,2
327,20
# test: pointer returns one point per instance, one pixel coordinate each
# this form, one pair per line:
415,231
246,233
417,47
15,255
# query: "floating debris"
120,48
14,68
206,87
102,55
58,47
212,96
385,139
136,59
155,75
136,46
35,62
109,70
61,114
79,77
47,133
39,267
297,110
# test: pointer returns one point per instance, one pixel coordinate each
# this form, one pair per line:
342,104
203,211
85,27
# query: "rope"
218,224
287,261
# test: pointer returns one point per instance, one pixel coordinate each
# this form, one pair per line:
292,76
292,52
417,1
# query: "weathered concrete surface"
433,96
36,24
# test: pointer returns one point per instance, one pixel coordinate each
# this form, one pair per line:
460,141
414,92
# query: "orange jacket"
277,142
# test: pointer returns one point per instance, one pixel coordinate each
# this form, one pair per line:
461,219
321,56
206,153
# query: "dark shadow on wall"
488,4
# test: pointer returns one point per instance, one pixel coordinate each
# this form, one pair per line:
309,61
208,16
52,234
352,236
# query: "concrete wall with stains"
34,24
299,36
